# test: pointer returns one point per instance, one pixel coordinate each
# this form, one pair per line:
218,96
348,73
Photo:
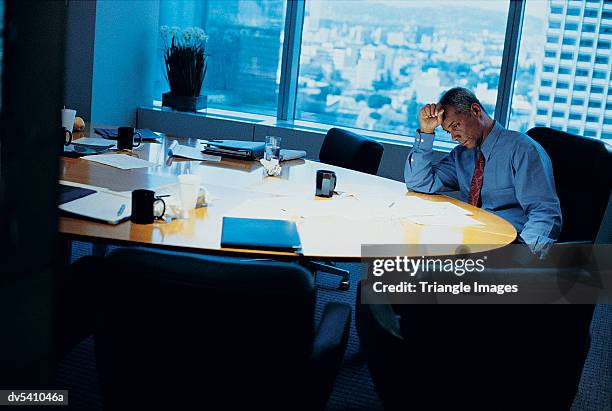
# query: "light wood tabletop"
333,228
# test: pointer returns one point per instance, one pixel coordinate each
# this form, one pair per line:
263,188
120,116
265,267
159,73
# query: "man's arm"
419,172
535,191
421,175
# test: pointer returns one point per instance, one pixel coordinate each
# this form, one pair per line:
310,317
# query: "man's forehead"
448,116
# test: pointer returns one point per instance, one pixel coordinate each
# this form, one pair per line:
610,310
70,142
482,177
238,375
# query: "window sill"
300,125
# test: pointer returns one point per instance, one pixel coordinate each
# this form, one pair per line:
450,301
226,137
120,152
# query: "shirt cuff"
423,141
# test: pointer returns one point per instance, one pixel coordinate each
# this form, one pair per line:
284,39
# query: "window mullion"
507,74
290,59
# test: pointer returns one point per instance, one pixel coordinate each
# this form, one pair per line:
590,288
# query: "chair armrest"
327,351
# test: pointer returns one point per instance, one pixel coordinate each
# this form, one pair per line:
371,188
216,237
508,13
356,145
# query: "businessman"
502,171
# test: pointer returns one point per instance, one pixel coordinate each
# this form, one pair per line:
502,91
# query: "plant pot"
183,103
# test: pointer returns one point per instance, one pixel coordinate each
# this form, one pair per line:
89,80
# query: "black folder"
246,150
279,235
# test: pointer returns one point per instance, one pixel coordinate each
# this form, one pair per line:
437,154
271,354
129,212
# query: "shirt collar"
487,145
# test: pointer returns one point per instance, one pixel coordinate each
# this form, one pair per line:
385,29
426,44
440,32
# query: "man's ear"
476,110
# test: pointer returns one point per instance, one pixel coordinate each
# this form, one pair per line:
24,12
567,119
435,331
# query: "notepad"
278,235
95,203
122,161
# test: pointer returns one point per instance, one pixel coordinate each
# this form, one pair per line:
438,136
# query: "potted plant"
185,62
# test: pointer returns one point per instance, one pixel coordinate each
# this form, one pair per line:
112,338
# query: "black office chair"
180,331
477,357
582,167
343,148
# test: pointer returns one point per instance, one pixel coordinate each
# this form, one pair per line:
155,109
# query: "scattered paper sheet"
95,142
178,150
456,220
122,161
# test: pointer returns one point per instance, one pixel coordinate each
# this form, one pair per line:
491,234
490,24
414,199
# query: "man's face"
464,128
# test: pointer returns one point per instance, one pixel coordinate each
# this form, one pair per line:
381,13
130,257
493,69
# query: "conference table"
329,229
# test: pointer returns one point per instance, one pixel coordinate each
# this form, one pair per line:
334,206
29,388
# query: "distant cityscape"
373,64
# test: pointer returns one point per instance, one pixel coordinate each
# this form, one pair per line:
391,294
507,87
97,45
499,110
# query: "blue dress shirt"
518,182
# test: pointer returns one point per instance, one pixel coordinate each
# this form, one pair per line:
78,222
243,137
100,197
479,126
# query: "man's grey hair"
461,99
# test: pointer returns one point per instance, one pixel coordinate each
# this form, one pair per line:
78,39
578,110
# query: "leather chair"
503,357
582,168
182,331
343,148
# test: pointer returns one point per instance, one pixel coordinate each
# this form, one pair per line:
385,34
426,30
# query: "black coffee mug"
326,183
143,206
125,138
67,136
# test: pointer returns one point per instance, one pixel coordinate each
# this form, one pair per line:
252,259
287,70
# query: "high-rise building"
574,85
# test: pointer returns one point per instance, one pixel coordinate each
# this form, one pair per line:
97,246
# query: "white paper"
122,161
95,142
178,150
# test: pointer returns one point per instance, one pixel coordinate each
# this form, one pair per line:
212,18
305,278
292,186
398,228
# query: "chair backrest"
583,169
178,329
343,148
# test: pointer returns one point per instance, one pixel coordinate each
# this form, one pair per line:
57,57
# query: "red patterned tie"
474,197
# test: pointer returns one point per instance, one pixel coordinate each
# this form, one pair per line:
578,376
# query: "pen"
391,205
121,210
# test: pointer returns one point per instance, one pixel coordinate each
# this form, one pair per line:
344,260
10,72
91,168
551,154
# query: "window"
245,43
594,104
573,130
565,70
607,120
608,105
571,26
535,36
600,74
592,119
584,57
603,45
582,73
588,28
607,14
569,41
590,133
579,87
374,64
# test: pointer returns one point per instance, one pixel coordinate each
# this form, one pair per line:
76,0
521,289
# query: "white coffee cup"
68,116
189,188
